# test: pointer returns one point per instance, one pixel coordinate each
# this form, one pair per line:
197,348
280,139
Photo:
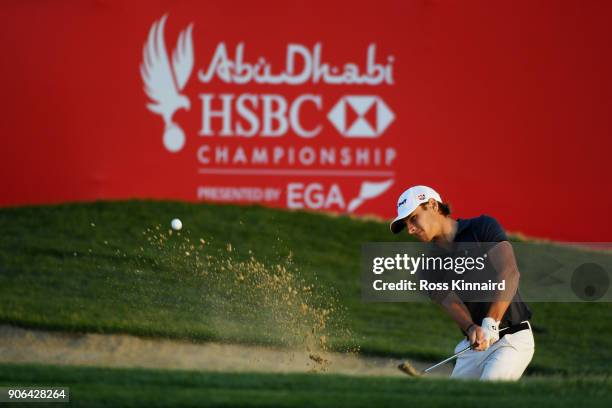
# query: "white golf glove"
491,329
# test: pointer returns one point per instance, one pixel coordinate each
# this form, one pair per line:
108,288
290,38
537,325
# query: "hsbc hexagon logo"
361,116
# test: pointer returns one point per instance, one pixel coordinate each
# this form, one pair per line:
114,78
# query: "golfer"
499,330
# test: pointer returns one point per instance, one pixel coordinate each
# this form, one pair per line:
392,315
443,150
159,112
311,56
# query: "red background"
503,107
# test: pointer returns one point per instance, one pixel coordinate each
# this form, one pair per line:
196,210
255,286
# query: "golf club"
409,369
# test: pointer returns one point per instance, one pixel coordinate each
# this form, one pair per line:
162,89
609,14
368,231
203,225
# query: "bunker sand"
18,345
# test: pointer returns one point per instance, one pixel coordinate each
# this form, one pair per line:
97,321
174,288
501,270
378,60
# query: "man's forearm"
457,311
498,309
502,258
503,299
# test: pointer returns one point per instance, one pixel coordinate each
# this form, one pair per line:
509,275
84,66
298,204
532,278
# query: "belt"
513,329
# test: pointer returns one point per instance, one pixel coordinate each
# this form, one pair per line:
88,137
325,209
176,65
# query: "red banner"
333,106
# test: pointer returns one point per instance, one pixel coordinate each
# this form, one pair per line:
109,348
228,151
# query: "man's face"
421,222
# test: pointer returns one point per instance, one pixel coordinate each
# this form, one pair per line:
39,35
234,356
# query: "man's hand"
491,329
477,338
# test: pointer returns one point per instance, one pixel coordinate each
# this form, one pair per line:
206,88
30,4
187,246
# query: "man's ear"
433,204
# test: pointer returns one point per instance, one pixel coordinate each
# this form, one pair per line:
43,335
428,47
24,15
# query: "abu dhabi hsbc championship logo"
261,141
164,79
353,116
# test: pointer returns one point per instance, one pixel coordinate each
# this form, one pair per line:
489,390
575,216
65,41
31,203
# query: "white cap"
409,201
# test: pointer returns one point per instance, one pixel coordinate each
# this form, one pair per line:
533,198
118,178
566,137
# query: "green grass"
102,387
57,271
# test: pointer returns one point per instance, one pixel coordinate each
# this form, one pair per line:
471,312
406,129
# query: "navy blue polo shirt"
487,229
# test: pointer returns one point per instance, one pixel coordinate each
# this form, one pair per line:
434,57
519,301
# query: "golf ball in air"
176,224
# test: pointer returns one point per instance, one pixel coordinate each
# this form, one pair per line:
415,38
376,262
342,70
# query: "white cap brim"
398,224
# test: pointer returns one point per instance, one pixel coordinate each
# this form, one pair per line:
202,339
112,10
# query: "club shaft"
453,356
448,359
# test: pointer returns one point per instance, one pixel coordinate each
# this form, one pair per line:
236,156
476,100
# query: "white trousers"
506,359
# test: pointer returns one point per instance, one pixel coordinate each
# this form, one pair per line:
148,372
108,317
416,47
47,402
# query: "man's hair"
443,208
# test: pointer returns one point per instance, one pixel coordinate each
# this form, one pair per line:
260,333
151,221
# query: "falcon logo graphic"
164,81
368,191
